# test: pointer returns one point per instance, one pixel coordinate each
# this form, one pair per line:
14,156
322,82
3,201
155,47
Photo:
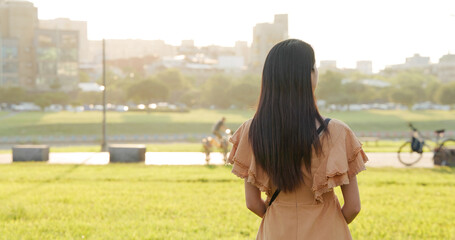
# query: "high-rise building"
18,22
265,36
57,59
9,62
365,67
66,24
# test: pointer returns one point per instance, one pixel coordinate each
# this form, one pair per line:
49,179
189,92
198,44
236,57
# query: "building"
445,69
70,25
414,62
241,49
327,65
57,59
417,61
265,36
231,63
9,62
18,22
365,67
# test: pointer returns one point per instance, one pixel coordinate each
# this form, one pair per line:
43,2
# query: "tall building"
265,36
66,24
445,69
9,62
365,67
57,59
18,22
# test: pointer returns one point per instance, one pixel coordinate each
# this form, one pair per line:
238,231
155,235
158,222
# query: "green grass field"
134,201
200,121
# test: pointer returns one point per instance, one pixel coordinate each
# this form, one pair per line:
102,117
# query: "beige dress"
313,210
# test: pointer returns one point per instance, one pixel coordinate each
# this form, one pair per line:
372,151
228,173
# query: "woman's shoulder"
241,132
245,126
338,125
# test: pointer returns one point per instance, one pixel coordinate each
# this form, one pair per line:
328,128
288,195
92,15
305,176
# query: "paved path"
196,158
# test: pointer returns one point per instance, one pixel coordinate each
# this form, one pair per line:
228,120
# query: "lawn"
200,121
134,201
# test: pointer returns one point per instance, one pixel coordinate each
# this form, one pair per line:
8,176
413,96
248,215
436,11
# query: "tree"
176,83
215,91
403,96
43,101
330,87
173,79
446,94
147,91
244,94
191,98
12,95
83,77
89,98
58,98
411,81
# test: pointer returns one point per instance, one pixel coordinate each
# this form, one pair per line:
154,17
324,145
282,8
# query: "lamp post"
103,143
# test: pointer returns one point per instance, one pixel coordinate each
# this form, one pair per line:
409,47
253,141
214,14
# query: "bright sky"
384,31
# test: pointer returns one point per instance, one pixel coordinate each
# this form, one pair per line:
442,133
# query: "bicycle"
209,143
412,151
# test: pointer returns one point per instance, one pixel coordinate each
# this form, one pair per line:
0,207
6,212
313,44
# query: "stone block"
23,153
126,153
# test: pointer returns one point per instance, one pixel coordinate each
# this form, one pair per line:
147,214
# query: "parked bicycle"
412,151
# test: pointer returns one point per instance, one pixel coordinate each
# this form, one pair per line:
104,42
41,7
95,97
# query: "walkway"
196,158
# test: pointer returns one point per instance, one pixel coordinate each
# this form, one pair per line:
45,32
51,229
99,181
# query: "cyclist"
218,128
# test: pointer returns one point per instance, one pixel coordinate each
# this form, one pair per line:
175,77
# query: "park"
124,201
130,120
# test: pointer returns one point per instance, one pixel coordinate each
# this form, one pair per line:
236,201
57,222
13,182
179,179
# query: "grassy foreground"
134,201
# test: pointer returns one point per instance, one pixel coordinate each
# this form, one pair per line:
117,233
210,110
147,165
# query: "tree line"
225,91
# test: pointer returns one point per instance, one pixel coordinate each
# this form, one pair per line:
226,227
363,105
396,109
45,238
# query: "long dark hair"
283,130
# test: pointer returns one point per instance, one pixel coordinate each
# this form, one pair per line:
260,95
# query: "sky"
383,31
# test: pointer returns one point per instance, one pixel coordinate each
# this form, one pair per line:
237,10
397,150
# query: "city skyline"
385,32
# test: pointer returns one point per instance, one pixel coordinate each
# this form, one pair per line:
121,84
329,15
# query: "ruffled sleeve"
242,159
344,159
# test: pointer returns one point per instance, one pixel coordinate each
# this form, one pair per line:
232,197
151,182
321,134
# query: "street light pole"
103,143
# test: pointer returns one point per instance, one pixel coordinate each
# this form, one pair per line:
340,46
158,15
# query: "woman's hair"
283,130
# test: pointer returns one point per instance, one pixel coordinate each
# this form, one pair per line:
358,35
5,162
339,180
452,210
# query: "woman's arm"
351,198
253,199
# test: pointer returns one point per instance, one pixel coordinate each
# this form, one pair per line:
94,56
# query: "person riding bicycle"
218,128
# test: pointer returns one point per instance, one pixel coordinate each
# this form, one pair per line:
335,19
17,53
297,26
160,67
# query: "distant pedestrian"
218,128
296,156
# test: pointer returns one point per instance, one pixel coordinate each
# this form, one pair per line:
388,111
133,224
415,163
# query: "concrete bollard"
126,153
22,153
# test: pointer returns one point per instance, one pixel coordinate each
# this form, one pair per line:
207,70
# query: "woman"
294,155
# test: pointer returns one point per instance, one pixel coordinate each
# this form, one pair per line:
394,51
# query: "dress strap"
275,194
319,130
322,127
